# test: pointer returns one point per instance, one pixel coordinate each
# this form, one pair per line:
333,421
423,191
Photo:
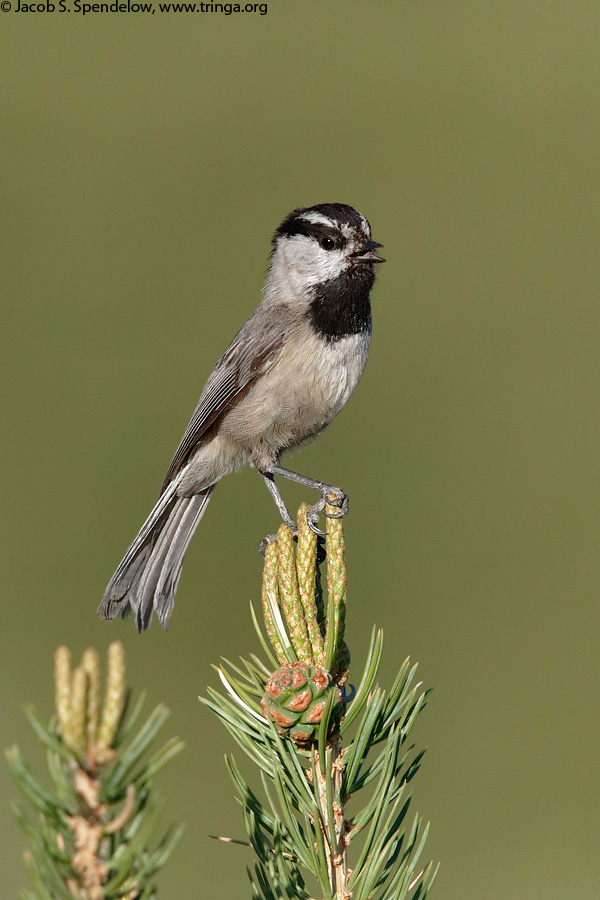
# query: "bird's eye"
327,243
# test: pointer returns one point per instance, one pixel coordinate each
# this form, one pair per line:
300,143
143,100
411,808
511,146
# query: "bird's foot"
269,539
331,496
272,538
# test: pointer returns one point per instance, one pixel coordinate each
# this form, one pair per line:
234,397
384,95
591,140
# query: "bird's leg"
334,496
279,501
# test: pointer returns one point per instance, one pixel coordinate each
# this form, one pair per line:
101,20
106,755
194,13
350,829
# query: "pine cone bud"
295,698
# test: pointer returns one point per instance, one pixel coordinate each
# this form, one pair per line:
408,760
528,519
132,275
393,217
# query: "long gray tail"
148,575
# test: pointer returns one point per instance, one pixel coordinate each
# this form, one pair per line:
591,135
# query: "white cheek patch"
304,256
331,264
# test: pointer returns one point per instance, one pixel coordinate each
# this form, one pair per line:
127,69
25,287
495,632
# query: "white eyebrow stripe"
318,219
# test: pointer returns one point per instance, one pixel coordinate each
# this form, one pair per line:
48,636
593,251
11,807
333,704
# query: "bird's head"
317,244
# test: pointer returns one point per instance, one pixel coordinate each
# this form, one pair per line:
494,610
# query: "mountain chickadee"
288,372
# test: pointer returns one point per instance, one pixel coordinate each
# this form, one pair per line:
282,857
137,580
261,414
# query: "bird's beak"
365,253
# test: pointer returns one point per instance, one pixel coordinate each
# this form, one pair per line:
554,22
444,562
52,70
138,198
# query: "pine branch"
90,838
315,747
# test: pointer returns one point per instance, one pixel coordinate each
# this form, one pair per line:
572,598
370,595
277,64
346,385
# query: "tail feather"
146,532
164,595
147,577
143,603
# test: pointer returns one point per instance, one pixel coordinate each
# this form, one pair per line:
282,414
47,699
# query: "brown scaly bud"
295,699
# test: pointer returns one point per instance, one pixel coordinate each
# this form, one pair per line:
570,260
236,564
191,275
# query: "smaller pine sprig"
90,836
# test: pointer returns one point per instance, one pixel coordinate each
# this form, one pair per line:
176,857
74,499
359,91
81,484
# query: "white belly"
295,400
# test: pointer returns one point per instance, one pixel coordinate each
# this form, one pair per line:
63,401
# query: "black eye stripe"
314,230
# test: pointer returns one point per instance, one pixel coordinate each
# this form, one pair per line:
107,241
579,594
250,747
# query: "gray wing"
252,352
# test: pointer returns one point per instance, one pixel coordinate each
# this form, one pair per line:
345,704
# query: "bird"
287,373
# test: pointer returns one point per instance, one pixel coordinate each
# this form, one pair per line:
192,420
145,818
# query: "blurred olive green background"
145,162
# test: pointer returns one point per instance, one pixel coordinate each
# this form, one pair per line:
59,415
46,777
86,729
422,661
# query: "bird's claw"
272,538
269,539
332,496
312,519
